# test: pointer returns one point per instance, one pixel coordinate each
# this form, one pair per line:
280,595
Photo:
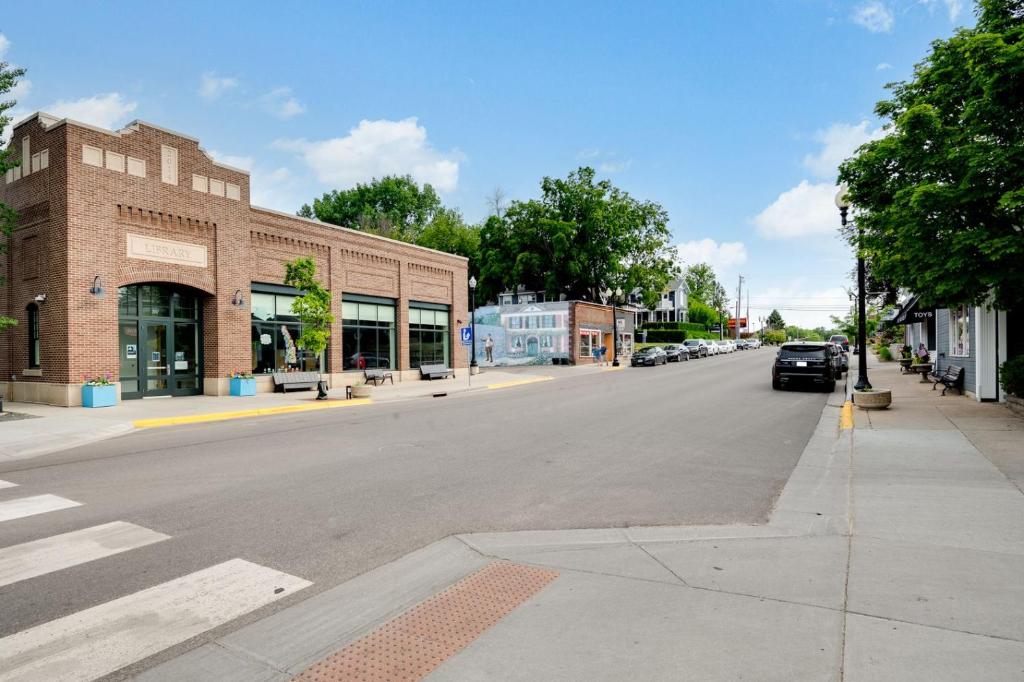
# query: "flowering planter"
243,387
361,391
875,399
99,396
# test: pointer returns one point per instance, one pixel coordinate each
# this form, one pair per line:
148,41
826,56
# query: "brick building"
138,256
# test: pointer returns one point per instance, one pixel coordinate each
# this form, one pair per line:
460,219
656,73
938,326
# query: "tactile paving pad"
411,645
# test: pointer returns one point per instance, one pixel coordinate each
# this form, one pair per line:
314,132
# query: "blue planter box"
99,396
243,387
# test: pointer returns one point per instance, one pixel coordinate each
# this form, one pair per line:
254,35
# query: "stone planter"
875,399
361,391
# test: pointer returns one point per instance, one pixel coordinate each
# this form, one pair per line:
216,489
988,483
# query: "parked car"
648,356
742,344
676,353
754,343
840,340
726,346
803,363
836,352
698,348
713,348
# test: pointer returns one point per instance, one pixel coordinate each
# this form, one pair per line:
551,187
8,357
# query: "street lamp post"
472,325
614,296
843,204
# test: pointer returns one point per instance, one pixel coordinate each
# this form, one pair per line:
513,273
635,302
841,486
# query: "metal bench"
952,377
432,372
287,381
378,376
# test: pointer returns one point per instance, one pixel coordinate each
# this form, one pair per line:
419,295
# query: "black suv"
674,353
804,362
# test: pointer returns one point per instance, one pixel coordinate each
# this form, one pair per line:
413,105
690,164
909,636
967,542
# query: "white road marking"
7,484
39,557
107,637
37,504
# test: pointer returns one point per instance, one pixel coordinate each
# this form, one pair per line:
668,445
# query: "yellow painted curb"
242,414
519,382
846,416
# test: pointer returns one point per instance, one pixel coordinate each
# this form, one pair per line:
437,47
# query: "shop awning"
913,312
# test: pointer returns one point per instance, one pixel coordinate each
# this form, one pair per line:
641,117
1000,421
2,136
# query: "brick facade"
75,219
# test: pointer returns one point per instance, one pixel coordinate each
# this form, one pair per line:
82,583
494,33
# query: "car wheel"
776,384
830,386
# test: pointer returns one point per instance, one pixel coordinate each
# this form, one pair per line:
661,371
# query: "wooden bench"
432,372
378,376
295,380
951,377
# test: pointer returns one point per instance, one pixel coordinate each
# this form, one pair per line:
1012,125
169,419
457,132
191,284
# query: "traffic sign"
467,335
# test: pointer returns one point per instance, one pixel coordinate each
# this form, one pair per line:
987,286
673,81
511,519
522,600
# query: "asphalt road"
328,495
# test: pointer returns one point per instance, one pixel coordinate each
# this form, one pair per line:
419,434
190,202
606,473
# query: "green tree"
775,320
580,237
701,313
313,307
8,159
447,232
940,198
701,281
392,206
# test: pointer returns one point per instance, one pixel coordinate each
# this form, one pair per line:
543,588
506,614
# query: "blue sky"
731,114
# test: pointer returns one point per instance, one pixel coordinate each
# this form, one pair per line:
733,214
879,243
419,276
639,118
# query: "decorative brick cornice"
142,274
429,269
151,218
362,256
259,237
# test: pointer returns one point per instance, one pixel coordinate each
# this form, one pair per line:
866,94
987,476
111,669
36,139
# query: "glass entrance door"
158,370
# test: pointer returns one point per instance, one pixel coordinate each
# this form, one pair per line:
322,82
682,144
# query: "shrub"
685,326
885,354
1011,375
666,335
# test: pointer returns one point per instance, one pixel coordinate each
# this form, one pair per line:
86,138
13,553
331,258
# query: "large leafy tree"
940,199
447,232
581,237
8,159
392,206
701,281
775,320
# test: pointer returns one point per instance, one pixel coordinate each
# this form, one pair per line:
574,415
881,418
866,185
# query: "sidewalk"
895,552
60,428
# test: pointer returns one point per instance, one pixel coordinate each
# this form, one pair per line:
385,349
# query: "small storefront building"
138,257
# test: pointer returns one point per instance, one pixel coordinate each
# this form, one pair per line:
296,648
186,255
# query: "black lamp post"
843,203
472,323
614,296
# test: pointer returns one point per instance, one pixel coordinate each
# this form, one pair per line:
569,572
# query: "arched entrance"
159,340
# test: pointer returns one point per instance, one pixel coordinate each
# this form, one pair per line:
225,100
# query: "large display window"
368,337
429,338
275,329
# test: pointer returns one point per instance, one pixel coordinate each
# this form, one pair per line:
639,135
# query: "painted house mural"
524,334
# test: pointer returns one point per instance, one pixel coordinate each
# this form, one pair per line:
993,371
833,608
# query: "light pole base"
862,384
615,362
474,369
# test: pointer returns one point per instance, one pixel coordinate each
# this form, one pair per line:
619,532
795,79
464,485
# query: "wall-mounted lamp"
97,289
238,300
40,298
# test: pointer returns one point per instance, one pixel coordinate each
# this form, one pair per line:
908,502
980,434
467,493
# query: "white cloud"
953,7
5,44
281,103
106,111
376,148
800,303
874,16
721,256
615,166
212,86
884,66
804,210
246,163
590,153
840,141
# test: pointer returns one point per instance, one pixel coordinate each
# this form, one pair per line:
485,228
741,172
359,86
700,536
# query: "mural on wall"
524,334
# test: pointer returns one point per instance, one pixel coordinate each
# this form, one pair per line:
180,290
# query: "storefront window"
960,332
428,337
275,329
589,340
367,334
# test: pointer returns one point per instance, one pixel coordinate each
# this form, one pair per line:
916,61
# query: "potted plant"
242,384
360,389
873,398
98,392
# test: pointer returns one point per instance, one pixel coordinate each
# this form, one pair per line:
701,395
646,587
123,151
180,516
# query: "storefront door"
160,341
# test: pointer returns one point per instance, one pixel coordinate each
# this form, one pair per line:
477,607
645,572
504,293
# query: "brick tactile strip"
414,643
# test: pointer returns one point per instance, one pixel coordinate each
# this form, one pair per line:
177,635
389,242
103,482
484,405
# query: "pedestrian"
489,348
604,355
596,354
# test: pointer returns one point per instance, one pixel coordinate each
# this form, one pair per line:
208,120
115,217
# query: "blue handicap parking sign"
467,335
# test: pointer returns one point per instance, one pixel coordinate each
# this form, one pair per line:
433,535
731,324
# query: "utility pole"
748,310
739,303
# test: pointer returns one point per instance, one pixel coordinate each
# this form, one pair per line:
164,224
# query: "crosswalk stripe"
7,484
107,637
39,557
37,504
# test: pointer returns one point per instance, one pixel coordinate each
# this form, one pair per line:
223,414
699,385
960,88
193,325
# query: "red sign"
732,322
